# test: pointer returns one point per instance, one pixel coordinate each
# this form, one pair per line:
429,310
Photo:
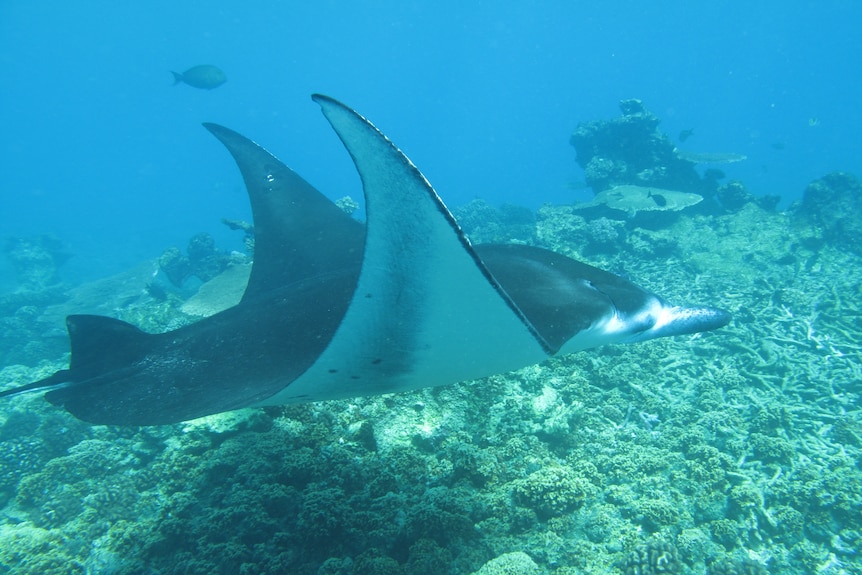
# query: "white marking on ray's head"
678,320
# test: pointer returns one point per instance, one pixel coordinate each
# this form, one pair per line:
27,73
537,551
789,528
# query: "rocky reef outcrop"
36,260
630,150
203,260
834,203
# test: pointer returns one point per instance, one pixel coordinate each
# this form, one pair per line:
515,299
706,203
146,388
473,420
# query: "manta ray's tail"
99,345
59,379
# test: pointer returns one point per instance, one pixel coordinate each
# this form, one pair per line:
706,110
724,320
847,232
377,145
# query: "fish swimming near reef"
335,308
205,77
710,157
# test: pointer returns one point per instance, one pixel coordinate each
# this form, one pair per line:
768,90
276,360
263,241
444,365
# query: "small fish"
685,135
813,122
205,77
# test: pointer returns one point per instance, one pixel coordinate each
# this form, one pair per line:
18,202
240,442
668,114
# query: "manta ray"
335,308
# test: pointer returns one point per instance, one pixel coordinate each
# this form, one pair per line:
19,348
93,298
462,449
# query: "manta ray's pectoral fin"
299,232
426,310
431,309
577,306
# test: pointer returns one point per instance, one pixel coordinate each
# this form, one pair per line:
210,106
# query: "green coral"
426,556
28,550
373,562
744,566
771,449
726,532
655,557
515,563
554,491
471,463
707,465
657,513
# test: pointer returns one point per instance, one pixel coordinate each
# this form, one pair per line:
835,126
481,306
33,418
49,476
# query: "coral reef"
247,230
633,203
733,196
630,150
484,223
730,452
553,491
515,563
203,261
834,202
221,292
347,204
742,567
36,260
652,558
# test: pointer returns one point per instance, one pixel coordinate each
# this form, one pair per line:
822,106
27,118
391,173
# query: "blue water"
99,149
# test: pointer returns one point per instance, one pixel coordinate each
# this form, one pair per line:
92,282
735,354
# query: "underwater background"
736,451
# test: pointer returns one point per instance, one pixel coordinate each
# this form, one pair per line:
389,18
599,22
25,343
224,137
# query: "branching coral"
553,491
655,557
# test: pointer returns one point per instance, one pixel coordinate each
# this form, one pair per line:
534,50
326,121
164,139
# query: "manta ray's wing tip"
330,104
218,130
318,97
